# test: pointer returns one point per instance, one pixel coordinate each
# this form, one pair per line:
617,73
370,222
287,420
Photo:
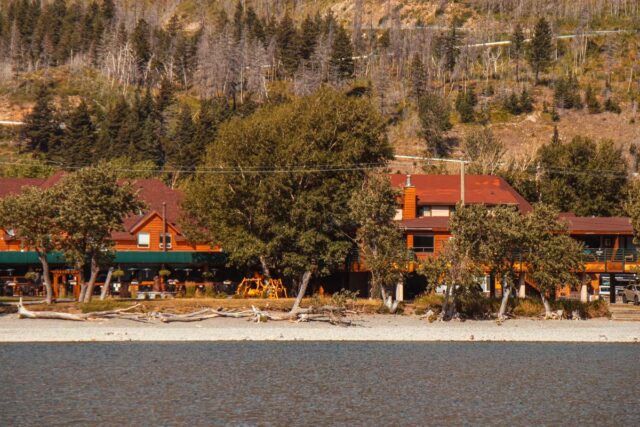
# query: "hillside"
254,52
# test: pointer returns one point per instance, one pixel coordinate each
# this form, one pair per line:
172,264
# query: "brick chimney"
409,210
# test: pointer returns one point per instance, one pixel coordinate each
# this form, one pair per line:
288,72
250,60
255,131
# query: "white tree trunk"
46,277
506,290
303,289
107,283
547,306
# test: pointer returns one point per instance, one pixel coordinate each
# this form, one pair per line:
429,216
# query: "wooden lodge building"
150,241
428,201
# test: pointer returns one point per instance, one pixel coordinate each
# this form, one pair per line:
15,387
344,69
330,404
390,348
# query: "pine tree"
526,101
465,103
182,152
77,147
238,21
150,145
590,99
108,12
541,47
41,130
418,77
342,54
555,139
111,140
140,39
309,31
517,47
287,41
434,113
164,98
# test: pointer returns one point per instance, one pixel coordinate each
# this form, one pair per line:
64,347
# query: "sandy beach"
367,328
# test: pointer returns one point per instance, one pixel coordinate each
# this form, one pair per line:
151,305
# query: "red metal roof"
479,189
597,225
153,191
9,186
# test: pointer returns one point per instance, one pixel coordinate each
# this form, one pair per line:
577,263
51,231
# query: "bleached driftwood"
329,314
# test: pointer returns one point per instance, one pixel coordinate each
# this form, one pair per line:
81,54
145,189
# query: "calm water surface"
319,384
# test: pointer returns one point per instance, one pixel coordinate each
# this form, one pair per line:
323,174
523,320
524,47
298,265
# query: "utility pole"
462,182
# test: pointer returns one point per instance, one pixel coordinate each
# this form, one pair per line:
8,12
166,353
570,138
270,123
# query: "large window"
144,240
423,243
165,238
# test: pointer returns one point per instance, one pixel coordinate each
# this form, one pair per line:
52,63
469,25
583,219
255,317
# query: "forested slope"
148,83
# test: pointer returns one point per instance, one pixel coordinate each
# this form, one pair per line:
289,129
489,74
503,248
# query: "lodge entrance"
65,282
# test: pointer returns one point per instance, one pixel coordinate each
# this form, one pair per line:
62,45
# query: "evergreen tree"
287,41
342,54
238,21
418,77
434,113
182,152
151,143
526,101
567,92
465,103
108,12
140,39
539,54
112,143
555,138
164,98
41,129
309,31
517,47
77,147
590,99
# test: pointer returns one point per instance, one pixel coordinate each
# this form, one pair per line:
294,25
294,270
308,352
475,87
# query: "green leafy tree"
380,240
541,48
552,257
282,204
91,206
434,114
583,176
32,215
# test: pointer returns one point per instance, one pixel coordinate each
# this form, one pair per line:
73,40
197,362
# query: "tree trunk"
95,269
376,290
82,284
107,283
46,277
303,289
547,306
506,291
445,302
265,267
492,285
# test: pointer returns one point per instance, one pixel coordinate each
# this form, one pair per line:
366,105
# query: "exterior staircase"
625,312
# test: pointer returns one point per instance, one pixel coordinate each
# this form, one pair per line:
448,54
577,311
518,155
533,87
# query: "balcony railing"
611,259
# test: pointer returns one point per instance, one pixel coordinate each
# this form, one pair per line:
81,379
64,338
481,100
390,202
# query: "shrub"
519,104
465,103
567,93
190,291
344,297
593,105
612,106
476,306
528,308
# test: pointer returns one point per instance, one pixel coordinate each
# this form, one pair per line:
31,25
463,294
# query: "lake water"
319,384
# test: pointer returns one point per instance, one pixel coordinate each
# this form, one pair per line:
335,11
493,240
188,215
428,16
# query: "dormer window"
166,237
144,240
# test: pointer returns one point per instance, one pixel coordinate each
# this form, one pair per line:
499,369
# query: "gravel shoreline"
368,328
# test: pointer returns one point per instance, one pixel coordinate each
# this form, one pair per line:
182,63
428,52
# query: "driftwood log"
329,314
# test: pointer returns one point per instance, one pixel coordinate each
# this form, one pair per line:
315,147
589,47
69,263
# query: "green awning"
133,257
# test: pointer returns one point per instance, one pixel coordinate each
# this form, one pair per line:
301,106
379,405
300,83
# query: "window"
165,237
424,211
144,240
423,243
11,233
